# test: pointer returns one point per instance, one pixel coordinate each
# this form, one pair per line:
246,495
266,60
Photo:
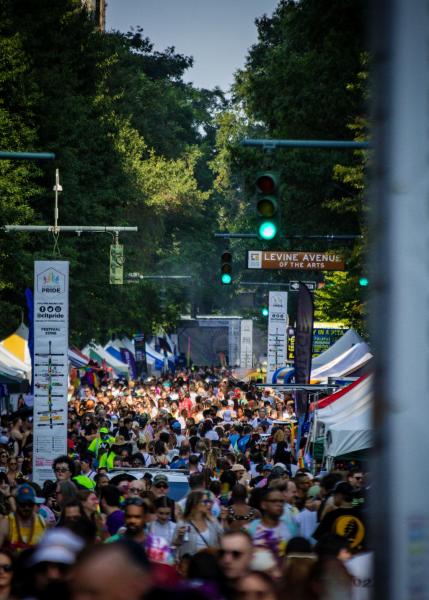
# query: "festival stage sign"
51,324
294,261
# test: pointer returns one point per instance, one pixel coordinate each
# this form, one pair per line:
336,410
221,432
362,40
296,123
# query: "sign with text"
294,261
294,286
51,324
246,344
277,325
323,338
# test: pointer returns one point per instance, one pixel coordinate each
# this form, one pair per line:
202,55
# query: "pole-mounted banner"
51,324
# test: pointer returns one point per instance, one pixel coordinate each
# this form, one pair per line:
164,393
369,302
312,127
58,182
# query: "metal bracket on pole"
139,276
27,155
228,236
270,144
75,228
297,386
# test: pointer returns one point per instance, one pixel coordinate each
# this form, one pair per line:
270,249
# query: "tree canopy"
136,145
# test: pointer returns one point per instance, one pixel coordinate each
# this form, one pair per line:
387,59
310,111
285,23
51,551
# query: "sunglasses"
234,553
161,485
26,504
62,470
6,568
207,501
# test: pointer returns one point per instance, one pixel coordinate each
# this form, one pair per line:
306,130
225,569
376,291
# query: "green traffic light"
226,278
363,281
264,311
267,230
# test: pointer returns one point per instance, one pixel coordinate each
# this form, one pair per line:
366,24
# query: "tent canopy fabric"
77,358
347,417
344,343
17,344
13,362
331,356
98,353
352,359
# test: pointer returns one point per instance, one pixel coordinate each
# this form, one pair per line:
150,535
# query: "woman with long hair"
198,530
90,503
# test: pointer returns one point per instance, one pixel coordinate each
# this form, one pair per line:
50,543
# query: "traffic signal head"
226,268
264,311
363,281
267,204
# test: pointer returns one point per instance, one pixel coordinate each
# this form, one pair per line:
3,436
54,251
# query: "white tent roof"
344,343
347,416
118,366
352,359
12,362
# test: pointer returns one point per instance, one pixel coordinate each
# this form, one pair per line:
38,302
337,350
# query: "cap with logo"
160,478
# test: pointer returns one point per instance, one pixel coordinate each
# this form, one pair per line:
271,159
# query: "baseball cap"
267,468
160,478
104,430
26,493
176,426
237,467
58,546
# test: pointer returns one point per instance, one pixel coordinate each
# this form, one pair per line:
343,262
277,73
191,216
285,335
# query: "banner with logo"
246,344
303,344
51,324
277,326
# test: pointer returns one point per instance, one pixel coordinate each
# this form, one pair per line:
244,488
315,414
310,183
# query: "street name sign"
294,286
294,261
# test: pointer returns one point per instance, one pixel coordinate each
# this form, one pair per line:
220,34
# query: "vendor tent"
344,343
11,361
77,358
331,356
343,365
98,353
347,418
17,344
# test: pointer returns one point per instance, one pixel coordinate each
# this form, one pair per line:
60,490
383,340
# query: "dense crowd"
187,486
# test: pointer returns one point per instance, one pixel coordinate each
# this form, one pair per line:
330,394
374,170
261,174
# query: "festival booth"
99,354
15,368
344,365
345,358
344,419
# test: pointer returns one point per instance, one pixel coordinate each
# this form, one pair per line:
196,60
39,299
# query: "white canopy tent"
347,363
347,418
12,362
98,353
344,343
339,360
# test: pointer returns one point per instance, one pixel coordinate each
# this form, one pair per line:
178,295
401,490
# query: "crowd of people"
184,486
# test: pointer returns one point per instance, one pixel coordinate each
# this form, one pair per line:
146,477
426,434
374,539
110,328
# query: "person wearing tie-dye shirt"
270,531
